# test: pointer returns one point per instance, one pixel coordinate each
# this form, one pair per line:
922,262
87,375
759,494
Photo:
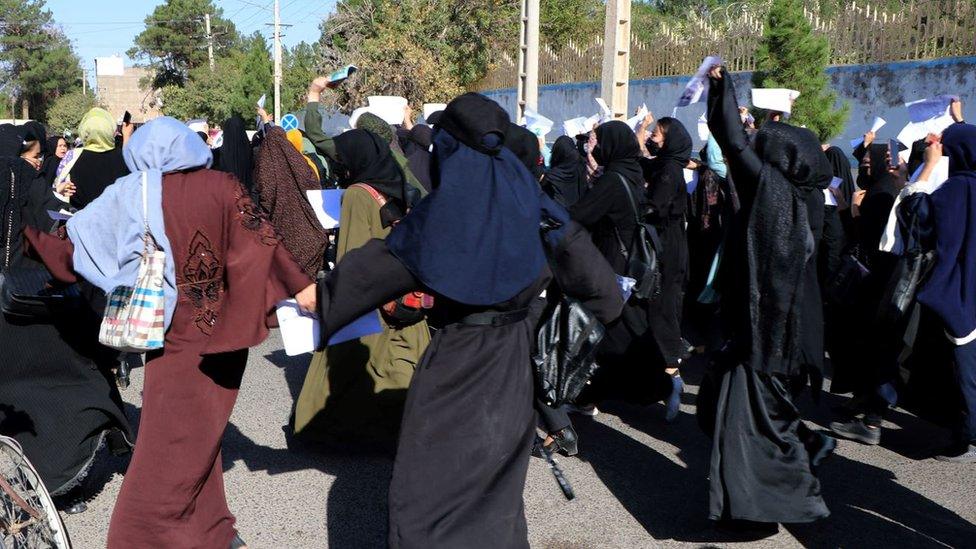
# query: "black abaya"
93,172
760,467
469,421
57,395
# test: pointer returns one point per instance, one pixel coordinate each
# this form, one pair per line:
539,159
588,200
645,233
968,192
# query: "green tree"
66,112
175,42
240,76
36,59
300,65
564,21
792,56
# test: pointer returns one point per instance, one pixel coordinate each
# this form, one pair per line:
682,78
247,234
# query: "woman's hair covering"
375,124
565,181
282,177
840,167
422,135
235,153
677,142
418,154
617,151
366,158
295,138
97,130
108,232
779,242
525,145
35,131
475,239
959,144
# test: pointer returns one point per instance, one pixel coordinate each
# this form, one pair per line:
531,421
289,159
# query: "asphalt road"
639,482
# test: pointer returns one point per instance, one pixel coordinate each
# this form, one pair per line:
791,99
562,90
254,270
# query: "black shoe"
820,448
747,530
565,441
857,431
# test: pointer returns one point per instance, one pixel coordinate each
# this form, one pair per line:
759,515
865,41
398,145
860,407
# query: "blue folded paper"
365,325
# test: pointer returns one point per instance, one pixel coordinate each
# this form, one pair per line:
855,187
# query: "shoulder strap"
377,196
630,197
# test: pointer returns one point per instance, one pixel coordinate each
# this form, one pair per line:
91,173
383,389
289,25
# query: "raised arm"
313,120
729,133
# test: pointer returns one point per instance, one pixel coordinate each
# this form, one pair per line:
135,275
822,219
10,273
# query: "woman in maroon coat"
223,253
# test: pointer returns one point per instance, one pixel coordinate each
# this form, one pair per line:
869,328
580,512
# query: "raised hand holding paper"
696,90
634,121
575,126
536,123
877,125
607,114
341,75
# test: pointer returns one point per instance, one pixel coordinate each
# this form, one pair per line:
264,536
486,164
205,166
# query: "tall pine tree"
792,56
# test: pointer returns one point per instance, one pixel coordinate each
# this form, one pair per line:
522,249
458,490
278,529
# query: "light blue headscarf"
107,234
714,159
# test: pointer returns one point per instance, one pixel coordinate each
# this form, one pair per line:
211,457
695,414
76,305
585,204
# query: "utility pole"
84,81
277,61
210,40
616,57
528,83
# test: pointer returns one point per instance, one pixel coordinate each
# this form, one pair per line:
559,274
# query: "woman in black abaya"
474,243
58,397
234,155
565,182
626,353
666,193
763,458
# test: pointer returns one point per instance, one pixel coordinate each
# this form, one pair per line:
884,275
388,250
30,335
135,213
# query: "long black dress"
469,420
468,423
760,464
57,395
669,200
630,365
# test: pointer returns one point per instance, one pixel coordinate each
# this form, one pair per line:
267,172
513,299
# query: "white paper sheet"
635,121
696,89
536,123
927,109
939,174
604,109
829,198
261,101
390,108
691,180
703,131
326,205
431,108
575,126
300,331
774,99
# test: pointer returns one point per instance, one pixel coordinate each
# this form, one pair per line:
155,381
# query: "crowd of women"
458,232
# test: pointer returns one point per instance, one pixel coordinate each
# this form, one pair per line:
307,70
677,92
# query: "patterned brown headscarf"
282,176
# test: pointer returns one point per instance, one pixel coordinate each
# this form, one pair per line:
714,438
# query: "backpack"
410,308
643,263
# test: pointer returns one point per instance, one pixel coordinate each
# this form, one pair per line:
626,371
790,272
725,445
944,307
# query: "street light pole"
210,41
277,61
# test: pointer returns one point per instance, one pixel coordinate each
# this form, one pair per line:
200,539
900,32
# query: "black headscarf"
565,182
235,155
13,208
677,143
418,153
367,158
779,241
840,166
617,151
35,131
665,172
525,145
49,168
475,238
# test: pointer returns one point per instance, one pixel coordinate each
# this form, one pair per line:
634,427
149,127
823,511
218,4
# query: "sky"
100,28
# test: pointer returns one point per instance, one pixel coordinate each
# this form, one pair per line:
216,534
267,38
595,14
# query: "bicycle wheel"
28,518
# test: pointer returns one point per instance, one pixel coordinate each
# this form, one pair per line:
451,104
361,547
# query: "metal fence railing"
858,33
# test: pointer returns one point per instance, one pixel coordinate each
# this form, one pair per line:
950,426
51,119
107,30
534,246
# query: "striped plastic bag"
134,319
